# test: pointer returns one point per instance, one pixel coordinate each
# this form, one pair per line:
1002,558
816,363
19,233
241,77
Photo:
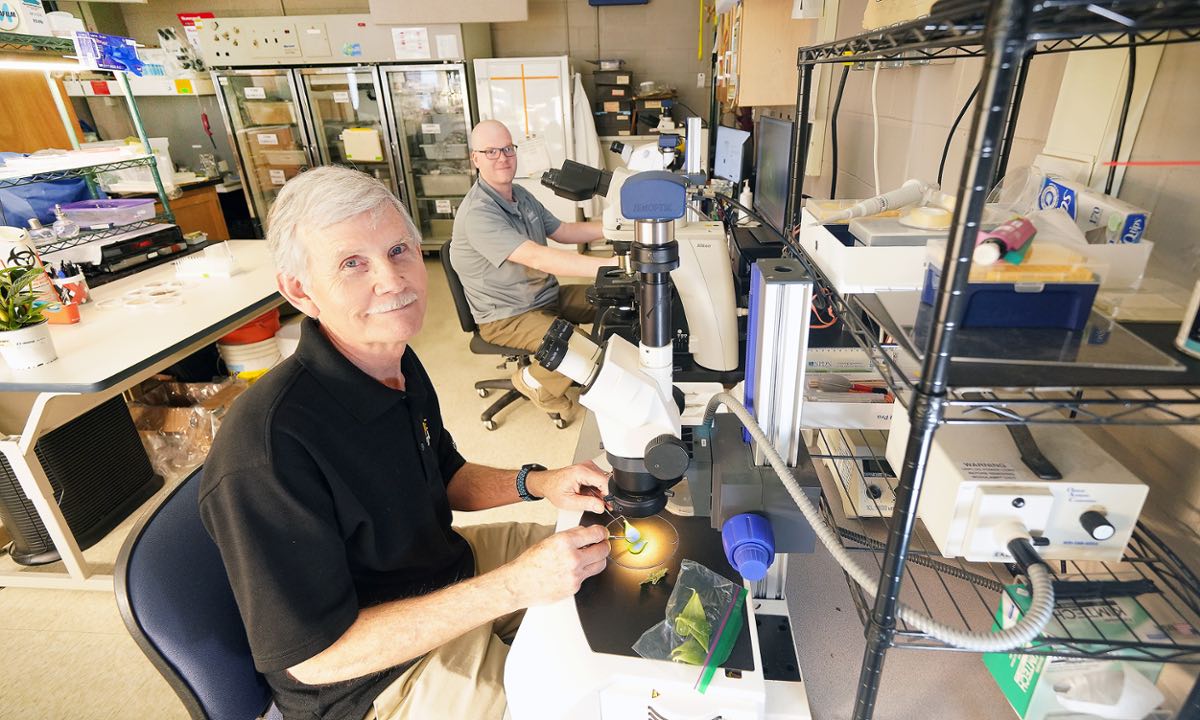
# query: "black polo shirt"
325,491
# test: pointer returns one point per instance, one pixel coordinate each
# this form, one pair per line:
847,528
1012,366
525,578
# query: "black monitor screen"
771,166
732,154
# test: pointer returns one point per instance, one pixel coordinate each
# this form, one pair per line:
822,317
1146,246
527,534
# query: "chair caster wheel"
483,392
559,422
489,425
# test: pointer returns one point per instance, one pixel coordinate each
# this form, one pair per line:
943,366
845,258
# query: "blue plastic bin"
1064,305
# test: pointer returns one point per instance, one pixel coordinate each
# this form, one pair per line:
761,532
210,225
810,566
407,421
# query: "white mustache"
399,303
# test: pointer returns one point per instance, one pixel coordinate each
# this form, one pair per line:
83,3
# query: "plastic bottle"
1010,237
39,234
64,227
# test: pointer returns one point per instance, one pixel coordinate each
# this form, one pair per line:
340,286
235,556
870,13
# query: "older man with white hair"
498,248
330,486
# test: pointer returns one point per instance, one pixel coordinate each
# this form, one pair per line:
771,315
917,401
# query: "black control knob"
666,457
1097,525
874,492
554,344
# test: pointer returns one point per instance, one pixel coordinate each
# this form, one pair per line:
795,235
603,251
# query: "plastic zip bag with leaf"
703,619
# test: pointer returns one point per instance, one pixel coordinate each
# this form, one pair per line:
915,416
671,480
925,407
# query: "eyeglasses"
493,153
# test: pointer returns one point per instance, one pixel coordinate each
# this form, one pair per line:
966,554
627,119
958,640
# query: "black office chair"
175,599
479,346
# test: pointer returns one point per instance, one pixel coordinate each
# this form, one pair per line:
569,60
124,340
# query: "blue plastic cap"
752,561
654,195
749,544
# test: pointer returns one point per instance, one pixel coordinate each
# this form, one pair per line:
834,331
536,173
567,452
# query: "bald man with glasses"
498,248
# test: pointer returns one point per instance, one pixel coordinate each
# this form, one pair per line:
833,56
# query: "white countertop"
109,345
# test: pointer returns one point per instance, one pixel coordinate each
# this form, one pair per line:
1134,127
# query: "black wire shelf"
88,236
1055,26
17,41
987,393
76,172
1157,620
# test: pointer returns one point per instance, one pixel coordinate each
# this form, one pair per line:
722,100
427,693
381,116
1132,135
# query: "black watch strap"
522,475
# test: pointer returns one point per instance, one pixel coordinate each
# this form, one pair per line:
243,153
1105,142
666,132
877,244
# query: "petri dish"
662,541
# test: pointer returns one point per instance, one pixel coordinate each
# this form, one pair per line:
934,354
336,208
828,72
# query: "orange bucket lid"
260,328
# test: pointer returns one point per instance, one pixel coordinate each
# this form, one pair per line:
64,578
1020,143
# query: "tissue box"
25,17
1102,218
1028,681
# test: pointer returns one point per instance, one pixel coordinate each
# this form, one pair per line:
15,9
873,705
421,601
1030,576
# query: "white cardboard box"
862,269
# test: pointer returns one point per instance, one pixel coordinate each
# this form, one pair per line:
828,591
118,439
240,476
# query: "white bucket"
262,355
28,347
288,337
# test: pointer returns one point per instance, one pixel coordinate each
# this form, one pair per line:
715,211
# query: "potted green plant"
24,334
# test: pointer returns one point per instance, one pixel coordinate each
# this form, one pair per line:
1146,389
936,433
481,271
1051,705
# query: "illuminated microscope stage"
573,659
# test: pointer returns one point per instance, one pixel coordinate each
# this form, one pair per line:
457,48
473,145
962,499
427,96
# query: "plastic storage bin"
109,213
1021,305
1054,288
444,151
444,184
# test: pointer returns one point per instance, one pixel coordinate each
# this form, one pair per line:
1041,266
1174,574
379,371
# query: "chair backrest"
175,599
465,319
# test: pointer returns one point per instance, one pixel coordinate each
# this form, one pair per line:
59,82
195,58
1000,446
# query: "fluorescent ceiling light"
47,65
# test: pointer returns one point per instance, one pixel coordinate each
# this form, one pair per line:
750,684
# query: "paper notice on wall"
277,177
341,96
444,207
447,47
362,144
267,139
431,129
254,92
192,22
411,43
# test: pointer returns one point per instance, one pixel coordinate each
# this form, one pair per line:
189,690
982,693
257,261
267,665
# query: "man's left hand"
573,487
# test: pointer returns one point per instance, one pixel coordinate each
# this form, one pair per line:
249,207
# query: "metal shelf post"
1004,51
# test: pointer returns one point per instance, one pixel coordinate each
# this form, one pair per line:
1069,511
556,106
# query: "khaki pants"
465,677
527,330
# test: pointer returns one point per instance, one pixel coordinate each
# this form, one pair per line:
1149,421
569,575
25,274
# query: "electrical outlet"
699,80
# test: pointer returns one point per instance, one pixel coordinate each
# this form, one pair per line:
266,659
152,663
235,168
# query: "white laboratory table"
830,644
106,353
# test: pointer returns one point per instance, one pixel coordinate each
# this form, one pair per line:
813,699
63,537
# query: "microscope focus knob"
1097,525
666,457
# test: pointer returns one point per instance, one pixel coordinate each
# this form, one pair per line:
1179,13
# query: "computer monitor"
773,152
732,154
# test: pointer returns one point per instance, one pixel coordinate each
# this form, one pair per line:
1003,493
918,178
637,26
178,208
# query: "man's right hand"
556,567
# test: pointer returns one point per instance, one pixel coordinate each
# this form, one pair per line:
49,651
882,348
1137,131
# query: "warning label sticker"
988,471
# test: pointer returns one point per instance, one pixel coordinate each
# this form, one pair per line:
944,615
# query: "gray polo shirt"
487,229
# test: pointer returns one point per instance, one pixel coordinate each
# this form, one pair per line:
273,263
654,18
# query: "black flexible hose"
950,135
918,559
1116,155
833,138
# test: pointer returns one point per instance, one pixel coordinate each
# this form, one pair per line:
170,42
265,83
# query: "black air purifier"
100,474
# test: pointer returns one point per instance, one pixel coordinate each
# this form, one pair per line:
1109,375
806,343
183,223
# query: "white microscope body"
552,671
704,280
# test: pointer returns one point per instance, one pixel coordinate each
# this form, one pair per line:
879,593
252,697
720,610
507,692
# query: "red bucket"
260,328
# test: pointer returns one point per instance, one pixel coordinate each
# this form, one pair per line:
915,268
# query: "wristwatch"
521,475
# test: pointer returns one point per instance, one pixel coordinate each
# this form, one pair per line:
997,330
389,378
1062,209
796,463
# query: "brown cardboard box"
276,175
178,421
269,112
269,137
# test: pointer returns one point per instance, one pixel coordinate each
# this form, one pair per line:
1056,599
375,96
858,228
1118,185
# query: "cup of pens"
69,281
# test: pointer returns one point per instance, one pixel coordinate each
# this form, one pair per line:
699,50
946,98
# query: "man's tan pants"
527,330
465,677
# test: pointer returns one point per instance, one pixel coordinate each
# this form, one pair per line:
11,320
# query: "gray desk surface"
917,684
